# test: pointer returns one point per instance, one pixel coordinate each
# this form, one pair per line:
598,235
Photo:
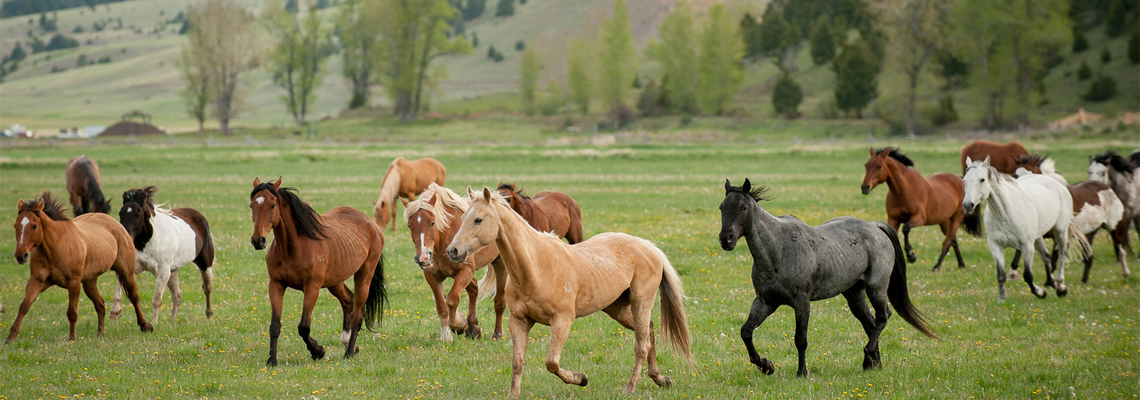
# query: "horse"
548,211
1095,206
429,219
553,283
914,200
71,254
1120,174
405,179
1004,156
82,180
165,240
1019,212
312,251
795,264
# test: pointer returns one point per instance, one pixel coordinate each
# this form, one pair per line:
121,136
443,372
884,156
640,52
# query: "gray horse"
795,264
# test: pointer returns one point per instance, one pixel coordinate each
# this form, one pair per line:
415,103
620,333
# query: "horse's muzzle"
424,260
21,258
453,254
728,241
258,243
866,189
969,208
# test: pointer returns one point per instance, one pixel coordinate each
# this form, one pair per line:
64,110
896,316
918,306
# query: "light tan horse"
553,283
405,179
430,219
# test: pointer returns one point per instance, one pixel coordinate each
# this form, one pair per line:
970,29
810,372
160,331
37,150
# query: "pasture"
1083,345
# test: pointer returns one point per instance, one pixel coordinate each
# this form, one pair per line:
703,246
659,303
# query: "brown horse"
552,283
430,219
405,179
1003,157
72,254
311,251
914,200
82,180
547,212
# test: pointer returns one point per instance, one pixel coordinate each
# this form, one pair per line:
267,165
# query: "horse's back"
203,242
848,250
353,226
947,192
425,171
1052,201
1002,155
106,240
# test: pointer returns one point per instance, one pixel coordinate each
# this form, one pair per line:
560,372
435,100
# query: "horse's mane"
390,183
513,188
758,193
498,198
1034,159
52,207
307,219
144,197
1116,161
444,198
897,154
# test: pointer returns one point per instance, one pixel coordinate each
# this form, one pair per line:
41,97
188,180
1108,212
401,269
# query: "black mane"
896,154
512,187
144,197
1034,159
52,207
758,193
1116,161
307,219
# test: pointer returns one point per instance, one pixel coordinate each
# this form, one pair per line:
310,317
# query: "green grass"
1083,345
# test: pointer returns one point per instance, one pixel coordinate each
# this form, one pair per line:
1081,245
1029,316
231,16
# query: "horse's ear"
20,205
470,193
402,200
727,186
872,150
969,161
747,186
39,206
1090,159
256,181
277,185
487,194
986,162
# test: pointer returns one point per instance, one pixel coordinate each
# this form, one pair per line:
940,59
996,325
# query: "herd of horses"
544,280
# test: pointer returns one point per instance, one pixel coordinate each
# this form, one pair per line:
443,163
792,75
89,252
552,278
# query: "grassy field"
1084,345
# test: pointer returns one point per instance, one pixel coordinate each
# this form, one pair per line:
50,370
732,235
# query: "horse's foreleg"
175,294
312,290
910,256
276,297
1013,265
73,289
1028,250
500,295
440,305
999,259
458,285
207,288
857,302
91,289
621,312
117,301
803,313
161,278
473,330
31,291
756,315
520,334
559,332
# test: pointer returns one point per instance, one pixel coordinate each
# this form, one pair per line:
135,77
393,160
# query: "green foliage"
528,80
494,55
1101,89
1120,15
520,45
856,81
718,62
1084,72
553,100
578,75
676,53
17,54
297,60
474,9
505,8
945,113
954,71
358,28
81,61
1134,47
750,29
1080,42
647,102
1105,56
474,40
48,25
618,56
822,44
59,42
775,33
786,96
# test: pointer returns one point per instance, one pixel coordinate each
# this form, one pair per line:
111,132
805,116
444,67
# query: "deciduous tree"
676,52
719,62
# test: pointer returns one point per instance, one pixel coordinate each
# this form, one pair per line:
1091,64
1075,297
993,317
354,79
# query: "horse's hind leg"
500,295
880,302
621,312
117,301
1027,250
207,288
1089,260
999,259
948,231
312,290
803,314
344,296
91,289
1013,265
175,294
127,282
856,301
559,332
910,256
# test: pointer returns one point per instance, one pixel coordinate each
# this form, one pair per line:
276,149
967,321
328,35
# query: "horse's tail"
205,258
94,196
972,223
897,288
377,296
487,286
674,323
1079,248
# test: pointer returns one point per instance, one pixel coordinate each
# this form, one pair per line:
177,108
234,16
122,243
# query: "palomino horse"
1095,206
405,179
72,254
311,251
553,283
914,200
1003,156
794,264
165,241
1019,213
82,180
1121,175
429,218
548,211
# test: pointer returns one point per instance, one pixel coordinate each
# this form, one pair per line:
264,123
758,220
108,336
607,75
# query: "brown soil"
127,128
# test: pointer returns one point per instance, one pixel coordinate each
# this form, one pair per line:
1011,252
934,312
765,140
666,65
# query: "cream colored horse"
405,179
553,283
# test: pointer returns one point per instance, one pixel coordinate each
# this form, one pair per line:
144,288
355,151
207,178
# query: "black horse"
795,264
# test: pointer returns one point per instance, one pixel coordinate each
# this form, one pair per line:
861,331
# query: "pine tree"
786,96
750,29
618,56
505,8
1134,47
856,84
719,62
822,44
1080,43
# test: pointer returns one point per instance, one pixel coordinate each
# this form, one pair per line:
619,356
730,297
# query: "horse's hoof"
911,257
474,332
8,341
147,327
766,367
1013,275
115,314
272,362
936,268
1062,291
498,335
318,353
668,382
1042,294
585,381
209,313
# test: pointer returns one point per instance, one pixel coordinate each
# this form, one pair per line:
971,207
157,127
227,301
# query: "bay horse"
1019,213
71,254
795,264
429,218
82,180
553,283
1120,174
1095,206
1004,156
312,251
914,200
165,240
548,211
405,179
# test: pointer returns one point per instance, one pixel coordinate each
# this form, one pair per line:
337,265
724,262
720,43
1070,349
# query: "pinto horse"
1003,156
82,180
430,220
914,200
553,283
548,211
72,254
405,179
311,251
1122,175
794,264
165,241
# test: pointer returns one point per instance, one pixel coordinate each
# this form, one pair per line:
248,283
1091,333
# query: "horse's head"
30,218
876,170
736,211
266,214
979,180
509,191
480,225
138,208
382,212
421,222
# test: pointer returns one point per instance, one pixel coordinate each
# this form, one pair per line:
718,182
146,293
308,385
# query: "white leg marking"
344,337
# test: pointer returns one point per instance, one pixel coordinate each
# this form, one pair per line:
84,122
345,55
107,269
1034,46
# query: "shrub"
1080,43
1134,47
520,46
945,113
505,8
1084,72
1102,88
647,103
828,109
621,115
786,96
1106,56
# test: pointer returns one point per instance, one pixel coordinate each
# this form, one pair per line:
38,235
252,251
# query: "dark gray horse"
795,264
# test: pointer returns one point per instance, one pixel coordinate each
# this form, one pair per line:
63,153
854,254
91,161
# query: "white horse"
1121,175
1019,212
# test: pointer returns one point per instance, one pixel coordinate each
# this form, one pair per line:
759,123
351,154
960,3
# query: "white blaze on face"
423,249
129,209
419,220
260,199
23,228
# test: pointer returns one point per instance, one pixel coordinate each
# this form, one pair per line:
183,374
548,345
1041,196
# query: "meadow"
1082,345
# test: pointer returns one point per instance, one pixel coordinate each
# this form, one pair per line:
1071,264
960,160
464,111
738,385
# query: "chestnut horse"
311,251
430,219
547,212
405,179
82,180
72,254
914,200
1003,157
553,283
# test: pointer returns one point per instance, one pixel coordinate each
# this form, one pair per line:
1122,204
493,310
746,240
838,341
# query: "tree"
414,34
359,29
677,54
618,56
17,54
750,29
1119,16
822,45
195,71
1084,72
786,96
916,26
856,83
1101,89
528,81
1080,43
505,8
227,41
1133,48
647,102
719,62
298,56
474,9
1105,56
779,38
578,74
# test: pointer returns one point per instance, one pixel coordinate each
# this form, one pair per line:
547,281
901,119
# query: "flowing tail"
487,286
972,224
897,289
674,323
377,296
1079,248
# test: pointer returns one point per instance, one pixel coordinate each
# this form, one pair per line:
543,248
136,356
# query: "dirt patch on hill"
127,128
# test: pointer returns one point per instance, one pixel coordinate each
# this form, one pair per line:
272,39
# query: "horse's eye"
983,180
33,227
478,221
743,208
433,224
274,206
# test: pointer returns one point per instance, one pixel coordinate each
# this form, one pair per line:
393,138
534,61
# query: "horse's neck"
285,232
1001,201
525,206
901,180
762,237
449,234
391,186
514,240
57,235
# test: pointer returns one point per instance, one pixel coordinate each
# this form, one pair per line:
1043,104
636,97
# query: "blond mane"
159,208
498,198
446,199
390,186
